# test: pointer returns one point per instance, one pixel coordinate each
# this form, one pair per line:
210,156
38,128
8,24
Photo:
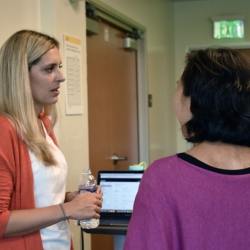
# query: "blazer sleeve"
7,170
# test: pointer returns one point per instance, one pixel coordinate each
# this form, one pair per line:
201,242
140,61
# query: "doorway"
112,101
245,51
112,107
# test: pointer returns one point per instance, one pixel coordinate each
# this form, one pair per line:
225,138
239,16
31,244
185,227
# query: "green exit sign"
228,29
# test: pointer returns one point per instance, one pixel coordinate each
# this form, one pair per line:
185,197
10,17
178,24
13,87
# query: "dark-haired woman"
200,199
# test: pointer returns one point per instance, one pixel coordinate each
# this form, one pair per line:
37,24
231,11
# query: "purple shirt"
183,203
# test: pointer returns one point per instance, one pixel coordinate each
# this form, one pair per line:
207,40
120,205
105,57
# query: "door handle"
116,158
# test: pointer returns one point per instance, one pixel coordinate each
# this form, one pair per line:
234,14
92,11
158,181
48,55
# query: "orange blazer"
16,183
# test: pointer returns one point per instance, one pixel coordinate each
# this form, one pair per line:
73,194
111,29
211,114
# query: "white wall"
14,15
193,28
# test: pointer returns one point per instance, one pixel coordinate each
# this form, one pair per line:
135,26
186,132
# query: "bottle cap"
138,167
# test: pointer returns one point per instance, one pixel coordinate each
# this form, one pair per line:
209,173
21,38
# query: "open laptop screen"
119,190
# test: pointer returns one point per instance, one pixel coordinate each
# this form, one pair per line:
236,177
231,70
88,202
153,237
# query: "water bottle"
87,183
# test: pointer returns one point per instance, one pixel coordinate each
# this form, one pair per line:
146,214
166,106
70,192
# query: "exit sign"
228,29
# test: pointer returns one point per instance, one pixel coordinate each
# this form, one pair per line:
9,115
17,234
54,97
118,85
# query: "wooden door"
245,51
112,107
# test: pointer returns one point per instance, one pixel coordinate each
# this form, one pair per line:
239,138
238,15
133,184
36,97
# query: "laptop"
119,190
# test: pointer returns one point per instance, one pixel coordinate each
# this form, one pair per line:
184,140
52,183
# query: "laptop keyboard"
114,222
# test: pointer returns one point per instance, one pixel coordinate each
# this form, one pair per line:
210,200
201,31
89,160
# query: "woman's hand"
69,196
84,206
78,206
99,189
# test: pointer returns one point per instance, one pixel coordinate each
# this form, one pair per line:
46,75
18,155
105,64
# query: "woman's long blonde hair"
18,54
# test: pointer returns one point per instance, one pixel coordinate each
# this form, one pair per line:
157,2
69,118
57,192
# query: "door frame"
120,20
188,48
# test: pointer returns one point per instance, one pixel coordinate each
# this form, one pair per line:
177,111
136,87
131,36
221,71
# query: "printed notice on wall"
73,56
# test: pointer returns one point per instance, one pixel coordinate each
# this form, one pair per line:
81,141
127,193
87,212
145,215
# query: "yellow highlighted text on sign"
73,40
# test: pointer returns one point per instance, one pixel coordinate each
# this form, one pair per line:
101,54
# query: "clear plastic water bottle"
87,183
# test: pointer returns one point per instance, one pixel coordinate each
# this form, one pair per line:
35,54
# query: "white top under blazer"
49,189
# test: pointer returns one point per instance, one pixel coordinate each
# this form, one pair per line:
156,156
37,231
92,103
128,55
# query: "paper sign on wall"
73,62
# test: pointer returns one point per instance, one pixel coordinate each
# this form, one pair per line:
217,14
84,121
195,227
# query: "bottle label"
82,190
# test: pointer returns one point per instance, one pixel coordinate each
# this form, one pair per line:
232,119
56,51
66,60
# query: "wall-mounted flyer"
73,84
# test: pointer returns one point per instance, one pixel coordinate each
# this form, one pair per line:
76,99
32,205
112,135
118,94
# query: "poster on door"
73,84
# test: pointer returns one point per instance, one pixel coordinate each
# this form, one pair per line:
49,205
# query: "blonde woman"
33,205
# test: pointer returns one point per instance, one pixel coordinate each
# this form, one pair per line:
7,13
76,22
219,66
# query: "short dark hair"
217,80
